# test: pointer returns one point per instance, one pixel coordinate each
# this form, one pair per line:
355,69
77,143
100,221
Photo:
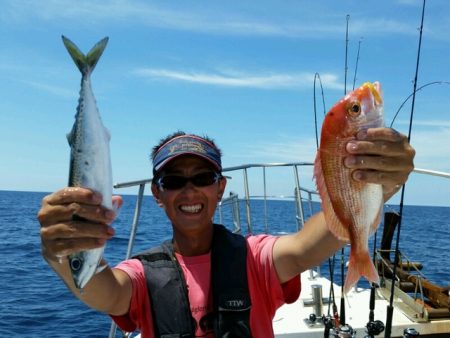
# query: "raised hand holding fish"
387,156
352,208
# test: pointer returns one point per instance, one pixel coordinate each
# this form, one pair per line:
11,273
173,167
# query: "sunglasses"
175,182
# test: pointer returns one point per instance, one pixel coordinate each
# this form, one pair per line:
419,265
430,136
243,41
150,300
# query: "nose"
189,186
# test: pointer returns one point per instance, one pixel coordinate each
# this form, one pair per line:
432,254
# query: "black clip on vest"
167,289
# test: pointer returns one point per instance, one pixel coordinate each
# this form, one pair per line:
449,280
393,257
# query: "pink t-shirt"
266,292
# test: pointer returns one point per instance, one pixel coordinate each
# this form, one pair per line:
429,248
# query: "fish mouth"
375,89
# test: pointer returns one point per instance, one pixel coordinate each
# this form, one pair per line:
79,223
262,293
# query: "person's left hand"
382,156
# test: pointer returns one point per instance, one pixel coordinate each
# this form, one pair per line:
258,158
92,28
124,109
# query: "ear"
155,192
222,185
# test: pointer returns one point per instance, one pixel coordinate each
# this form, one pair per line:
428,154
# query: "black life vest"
168,294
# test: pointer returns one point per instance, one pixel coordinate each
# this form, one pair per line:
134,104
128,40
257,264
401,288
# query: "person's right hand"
63,234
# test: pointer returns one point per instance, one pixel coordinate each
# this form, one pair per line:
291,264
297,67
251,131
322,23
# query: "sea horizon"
287,199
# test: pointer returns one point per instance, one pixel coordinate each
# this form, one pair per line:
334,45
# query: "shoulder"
139,308
261,244
132,267
260,253
263,277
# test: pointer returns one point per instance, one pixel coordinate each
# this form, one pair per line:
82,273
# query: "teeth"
191,208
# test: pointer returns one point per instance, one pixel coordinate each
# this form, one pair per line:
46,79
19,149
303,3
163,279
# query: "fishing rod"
342,309
328,320
390,308
357,61
317,76
346,54
416,91
373,327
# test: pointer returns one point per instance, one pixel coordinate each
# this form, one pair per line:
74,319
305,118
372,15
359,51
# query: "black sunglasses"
174,182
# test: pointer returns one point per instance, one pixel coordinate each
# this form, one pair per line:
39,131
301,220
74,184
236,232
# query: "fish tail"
360,265
85,63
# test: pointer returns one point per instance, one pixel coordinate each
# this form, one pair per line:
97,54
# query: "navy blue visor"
186,145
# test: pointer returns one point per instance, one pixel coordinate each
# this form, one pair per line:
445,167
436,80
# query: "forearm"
317,242
305,249
62,234
101,293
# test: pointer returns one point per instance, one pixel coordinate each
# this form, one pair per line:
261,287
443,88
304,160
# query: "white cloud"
410,2
213,19
431,145
241,79
52,89
425,123
287,149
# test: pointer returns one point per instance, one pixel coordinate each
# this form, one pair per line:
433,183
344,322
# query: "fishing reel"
410,333
344,331
373,328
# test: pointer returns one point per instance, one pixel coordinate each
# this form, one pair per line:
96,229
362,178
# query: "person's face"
189,208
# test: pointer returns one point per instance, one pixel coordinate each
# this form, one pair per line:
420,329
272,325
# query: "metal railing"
296,196
300,196
416,311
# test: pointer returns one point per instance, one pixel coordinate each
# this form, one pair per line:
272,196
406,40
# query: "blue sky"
240,71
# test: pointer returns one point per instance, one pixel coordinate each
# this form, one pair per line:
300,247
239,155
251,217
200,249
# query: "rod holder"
317,299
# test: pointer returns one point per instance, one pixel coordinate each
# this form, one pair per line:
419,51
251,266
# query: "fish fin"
360,265
107,133
77,55
85,63
116,207
101,266
70,136
376,222
96,52
333,222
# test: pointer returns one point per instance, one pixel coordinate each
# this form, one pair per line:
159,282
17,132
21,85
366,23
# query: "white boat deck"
290,321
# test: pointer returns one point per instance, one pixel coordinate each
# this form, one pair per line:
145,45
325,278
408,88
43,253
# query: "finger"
379,147
381,163
381,134
66,247
390,180
52,214
76,230
73,194
117,202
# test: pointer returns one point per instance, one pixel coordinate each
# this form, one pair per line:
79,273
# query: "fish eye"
76,264
354,109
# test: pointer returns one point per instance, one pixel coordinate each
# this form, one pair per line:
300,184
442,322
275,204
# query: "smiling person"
206,281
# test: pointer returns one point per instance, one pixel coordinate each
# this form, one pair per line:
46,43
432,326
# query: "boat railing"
233,202
432,172
420,299
301,195
412,268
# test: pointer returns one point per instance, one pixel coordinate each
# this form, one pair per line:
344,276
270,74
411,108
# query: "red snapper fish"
352,209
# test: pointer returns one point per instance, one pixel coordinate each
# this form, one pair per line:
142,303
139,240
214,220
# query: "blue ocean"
35,303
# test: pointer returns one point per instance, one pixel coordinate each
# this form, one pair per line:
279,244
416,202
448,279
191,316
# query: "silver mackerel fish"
90,163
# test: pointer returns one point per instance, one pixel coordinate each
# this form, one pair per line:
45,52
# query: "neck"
193,244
